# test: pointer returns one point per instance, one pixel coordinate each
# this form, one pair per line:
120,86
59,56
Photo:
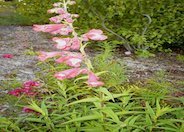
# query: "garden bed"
22,42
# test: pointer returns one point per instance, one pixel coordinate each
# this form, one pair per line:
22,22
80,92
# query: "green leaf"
110,113
90,99
85,118
106,92
150,110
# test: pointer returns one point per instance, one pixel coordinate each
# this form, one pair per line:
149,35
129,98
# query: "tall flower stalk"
70,44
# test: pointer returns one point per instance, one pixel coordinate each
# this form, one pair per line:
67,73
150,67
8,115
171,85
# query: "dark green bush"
140,25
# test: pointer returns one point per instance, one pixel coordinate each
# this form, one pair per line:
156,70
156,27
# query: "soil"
20,40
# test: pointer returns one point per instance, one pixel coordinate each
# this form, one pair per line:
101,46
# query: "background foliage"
139,25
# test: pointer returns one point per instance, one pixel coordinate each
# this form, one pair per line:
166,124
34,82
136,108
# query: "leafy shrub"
139,25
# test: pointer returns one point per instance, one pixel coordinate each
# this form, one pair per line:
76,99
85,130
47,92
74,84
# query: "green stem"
74,33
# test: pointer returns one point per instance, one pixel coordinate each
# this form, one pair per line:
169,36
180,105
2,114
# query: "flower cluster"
7,56
27,89
62,24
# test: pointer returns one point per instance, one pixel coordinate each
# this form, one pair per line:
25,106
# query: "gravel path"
19,40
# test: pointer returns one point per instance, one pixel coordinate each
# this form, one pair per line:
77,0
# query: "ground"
21,41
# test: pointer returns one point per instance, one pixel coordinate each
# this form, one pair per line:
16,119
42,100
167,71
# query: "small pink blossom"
62,43
94,34
45,55
71,2
31,84
71,59
16,92
56,19
70,73
7,56
75,43
26,89
61,29
65,31
69,20
57,4
67,43
93,80
57,10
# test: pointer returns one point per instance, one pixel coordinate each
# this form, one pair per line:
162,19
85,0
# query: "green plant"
180,58
70,105
35,10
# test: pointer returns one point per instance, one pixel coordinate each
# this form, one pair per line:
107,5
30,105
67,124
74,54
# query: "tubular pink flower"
70,73
69,20
56,19
93,80
64,31
62,43
53,28
57,4
75,43
45,55
57,10
67,43
31,84
16,92
94,34
71,59
71,2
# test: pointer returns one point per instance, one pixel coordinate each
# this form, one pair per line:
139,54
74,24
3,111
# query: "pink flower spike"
93,80
9,56
68,74
95,34
45,55
16,92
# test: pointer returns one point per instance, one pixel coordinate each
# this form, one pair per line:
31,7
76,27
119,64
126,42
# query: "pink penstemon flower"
73,43
57,10
53,29
27,89
16,92
70,73
45,55
93,80
67,43
94,34
71,59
